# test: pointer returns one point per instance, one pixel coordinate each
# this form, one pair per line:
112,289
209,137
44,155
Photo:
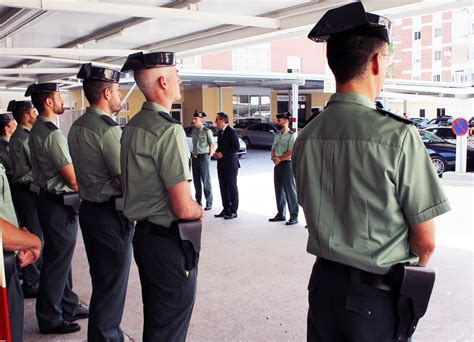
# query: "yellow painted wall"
273,105
227,105
319,99
210,102
192,100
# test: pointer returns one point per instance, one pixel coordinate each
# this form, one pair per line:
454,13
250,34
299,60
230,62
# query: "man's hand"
218,155
276,160
26,257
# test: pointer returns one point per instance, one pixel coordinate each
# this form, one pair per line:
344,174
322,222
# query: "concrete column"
294,105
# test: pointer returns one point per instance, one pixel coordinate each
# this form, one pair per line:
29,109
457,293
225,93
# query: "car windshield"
429,137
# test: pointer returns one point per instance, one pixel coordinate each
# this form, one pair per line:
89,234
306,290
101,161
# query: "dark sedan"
443,153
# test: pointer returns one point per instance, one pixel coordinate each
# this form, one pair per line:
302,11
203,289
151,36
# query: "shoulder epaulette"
109,120
51,126
291,131
206,128
168,117
394,116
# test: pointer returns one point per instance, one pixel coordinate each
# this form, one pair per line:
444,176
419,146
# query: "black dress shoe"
82,311
230,216
291,222
65,327
277,218
221,214
208,207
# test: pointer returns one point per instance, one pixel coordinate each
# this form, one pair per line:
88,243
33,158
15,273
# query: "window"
293,64
438,32
252,58
437,55
437,78
417,35
246,106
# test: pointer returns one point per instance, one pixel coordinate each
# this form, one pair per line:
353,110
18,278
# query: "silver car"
188,131
260,134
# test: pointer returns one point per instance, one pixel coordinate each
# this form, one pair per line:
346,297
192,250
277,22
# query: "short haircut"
3,125
18,114
93,89
223,116
348,55
38,100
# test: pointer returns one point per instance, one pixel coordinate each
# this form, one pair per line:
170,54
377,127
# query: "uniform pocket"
379,306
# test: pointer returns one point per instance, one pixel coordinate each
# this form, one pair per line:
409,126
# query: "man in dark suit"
227,166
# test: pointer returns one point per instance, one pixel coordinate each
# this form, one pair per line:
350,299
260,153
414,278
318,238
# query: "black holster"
412,286
127,225
9,259
190,237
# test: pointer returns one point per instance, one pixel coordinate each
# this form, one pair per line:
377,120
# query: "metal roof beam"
143,12
66,52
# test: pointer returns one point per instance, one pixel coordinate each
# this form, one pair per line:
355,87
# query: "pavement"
253,274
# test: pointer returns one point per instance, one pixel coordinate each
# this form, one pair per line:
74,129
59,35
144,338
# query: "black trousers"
342,308
168,290
14,297
285,189
202,177
25,203
108,243
56,301
229,190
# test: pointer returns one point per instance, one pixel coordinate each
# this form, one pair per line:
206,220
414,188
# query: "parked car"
420,122
188,131
441,121
443,153
260,134
447,134
244,123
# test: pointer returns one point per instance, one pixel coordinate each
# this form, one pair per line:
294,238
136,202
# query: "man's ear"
49,101
162,82
106,92
376,63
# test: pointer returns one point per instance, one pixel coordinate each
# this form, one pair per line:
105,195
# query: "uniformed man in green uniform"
203,148
28,246
366,185
283,179
7,127
155,168
24,199
57,305
94,143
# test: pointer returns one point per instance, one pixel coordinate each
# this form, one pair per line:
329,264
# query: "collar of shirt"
154,107
96,111
224,127
353,98
285,132
20,126
45,119
4,138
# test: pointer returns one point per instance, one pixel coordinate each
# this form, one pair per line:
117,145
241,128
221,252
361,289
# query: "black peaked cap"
140,60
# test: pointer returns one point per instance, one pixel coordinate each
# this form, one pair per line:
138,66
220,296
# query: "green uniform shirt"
283,142
7,211
202,138
154,157
49,154
362,178
20,155
94,143
4,158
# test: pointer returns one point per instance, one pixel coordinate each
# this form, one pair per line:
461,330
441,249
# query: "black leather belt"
378,281
110,204
154,229
21,186
52,197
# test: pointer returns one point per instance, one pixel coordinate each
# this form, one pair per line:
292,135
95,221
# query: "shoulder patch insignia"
394,116
109,120
51,126
168,117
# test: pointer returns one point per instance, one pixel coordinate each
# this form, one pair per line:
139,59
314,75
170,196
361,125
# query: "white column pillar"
294,105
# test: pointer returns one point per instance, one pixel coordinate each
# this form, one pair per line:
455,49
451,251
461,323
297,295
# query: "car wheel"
246,141
439,164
